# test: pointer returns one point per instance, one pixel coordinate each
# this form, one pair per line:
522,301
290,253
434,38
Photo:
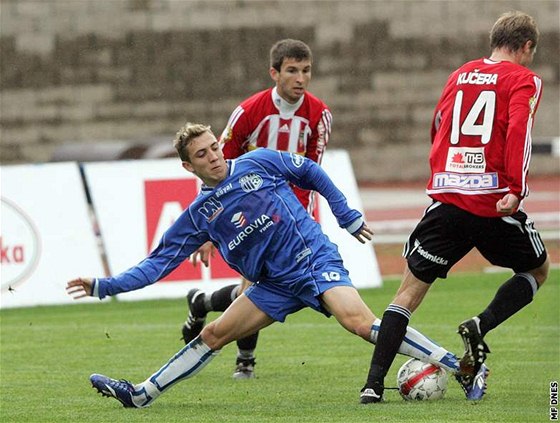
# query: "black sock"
248,343
391,334
512,296
223,297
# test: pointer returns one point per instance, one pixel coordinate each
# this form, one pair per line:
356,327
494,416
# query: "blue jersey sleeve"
177,244
307,174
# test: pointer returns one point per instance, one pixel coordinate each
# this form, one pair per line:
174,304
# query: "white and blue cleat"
474,391
122,390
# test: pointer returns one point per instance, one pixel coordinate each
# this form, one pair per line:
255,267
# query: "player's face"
206,159
293,79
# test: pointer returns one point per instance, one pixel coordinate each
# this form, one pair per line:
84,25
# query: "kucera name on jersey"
260,224
475,78
465,181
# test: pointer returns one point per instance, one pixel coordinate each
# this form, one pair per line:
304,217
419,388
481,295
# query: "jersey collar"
205,189
286,109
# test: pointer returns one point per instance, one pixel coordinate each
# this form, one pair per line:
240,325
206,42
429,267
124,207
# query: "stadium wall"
102,73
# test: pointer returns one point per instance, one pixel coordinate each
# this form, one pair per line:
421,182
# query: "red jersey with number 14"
481,135
267,120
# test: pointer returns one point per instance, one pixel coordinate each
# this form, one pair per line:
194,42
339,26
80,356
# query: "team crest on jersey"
250,182
227,135
297,160
466,160
210,209
532,105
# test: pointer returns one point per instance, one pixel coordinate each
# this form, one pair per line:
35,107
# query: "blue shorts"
279,299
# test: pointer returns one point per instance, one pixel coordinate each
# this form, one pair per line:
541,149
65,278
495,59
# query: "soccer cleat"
196,317
370,395
477,388
121,390
475,351
244,369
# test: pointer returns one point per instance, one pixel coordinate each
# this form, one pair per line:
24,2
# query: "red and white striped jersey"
267,120
481,135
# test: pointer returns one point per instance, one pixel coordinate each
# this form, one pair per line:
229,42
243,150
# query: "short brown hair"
512,30
288,48
185,135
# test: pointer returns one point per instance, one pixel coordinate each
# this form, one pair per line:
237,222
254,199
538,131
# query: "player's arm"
177,243
315,178
522,107
316,145
80,288
320,136
508,204
307,174
203,254
438,112
363,234
235,137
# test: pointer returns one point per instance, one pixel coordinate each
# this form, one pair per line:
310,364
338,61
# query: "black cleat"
196,317
372,394
475,351
244,368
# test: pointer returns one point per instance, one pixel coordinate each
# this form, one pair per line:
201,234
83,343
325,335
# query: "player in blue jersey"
286,117
248,210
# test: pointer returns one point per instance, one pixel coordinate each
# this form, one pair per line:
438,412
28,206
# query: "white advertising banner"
136,201
47,237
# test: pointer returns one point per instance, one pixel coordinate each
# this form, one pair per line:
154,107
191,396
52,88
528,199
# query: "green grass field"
309,369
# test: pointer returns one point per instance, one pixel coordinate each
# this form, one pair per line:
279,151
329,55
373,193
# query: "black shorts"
447,233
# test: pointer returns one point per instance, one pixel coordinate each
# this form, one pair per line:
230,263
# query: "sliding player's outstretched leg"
190,360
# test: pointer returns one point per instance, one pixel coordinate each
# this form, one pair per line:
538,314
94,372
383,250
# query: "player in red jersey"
481,147
285,117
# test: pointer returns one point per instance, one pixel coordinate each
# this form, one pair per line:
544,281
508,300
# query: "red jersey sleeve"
234,137
438,112
315,148
320,136
523,103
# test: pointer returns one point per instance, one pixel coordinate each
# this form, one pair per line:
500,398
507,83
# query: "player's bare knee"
359,326
208,335
541,273
364,331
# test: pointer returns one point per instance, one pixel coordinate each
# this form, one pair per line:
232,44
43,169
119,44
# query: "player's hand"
79,288
204,252
508,204
363,234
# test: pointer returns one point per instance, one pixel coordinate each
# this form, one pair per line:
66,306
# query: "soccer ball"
421,381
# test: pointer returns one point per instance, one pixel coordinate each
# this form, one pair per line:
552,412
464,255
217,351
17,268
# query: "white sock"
186,363
421,347
245,354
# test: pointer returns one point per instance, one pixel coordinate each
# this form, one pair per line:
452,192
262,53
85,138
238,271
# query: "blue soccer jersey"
254,219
